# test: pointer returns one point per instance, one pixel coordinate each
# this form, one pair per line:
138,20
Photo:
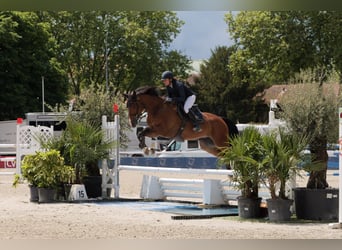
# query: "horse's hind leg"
141,139
208,145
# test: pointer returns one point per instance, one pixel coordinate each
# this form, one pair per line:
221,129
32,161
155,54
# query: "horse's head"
143,99
135,109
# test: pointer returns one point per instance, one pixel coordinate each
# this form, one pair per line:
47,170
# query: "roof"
277,91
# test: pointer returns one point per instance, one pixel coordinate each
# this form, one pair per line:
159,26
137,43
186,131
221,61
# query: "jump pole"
117,153
177,170
118,167
339,224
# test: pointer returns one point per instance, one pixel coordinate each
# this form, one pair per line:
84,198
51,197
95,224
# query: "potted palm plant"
82,144
85,144
283,154
245,156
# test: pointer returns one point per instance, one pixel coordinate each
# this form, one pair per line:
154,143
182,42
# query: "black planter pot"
93,186
248,207
279,209
47,195
61,192
34,197
67,188
316,204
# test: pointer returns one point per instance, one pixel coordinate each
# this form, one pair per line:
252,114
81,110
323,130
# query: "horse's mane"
147,90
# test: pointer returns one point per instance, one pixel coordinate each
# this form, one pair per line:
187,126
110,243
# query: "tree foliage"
95,101
270,48
215,81
273,46
311,110
175,62
220,94
121,50
128,44
27,52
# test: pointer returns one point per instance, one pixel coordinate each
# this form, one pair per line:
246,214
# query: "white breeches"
189,102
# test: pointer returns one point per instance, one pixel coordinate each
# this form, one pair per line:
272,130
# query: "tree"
220,94
95,101
27,53
215,82
177,63
311,110
335,39
276,45
129,44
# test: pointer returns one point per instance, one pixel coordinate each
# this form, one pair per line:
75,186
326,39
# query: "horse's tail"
232,128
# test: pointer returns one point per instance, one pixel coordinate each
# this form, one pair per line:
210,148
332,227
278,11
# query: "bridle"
135,104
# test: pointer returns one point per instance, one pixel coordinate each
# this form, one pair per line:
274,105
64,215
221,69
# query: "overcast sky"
202,32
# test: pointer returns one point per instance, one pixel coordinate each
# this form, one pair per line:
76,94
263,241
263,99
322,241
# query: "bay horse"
164,120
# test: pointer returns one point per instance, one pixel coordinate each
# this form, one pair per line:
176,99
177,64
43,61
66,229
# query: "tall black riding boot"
196,127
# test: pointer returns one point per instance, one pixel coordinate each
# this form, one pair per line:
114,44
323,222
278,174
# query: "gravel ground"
22,219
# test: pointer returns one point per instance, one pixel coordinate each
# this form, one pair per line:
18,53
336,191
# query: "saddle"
194,115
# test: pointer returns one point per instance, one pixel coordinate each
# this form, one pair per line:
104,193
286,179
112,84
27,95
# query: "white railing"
27,142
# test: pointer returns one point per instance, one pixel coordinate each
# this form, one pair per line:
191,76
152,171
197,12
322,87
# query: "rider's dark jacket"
178,92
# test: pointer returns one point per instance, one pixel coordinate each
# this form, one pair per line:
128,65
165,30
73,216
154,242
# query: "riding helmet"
167,75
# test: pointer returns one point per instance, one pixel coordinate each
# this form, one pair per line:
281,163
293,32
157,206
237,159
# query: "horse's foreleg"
148,132
141,136
142,143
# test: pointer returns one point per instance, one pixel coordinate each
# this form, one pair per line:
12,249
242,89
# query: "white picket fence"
27,142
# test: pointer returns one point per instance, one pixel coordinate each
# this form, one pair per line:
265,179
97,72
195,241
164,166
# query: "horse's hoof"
148,151
145,150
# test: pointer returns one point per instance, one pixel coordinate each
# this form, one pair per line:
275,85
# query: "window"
193,144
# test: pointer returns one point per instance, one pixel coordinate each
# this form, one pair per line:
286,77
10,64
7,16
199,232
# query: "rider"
179,93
